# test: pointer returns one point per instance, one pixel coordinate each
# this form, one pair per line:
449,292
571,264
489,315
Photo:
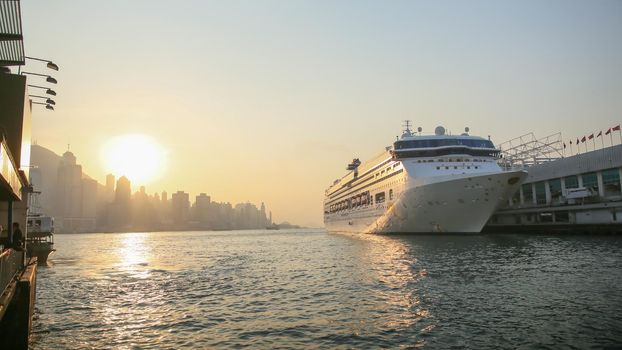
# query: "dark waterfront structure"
580,193
17,273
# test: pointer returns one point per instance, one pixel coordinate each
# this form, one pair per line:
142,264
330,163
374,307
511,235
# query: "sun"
136,156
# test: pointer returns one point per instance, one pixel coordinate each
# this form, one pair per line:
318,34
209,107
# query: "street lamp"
50,64
48,100
45,104
48,78
47,91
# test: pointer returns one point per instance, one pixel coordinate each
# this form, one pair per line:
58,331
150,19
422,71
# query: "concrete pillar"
547,192
599,180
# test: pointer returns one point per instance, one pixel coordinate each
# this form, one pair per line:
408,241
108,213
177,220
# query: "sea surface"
308,289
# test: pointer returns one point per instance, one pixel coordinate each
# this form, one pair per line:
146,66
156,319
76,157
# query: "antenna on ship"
406,125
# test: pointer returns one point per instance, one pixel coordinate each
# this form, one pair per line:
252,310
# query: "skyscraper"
109,187
180,207
68,192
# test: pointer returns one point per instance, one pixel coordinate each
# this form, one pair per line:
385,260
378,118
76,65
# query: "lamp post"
47,91
47,106
49,79
50,64
48,100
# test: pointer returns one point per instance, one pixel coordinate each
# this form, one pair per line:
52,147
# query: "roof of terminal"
11,35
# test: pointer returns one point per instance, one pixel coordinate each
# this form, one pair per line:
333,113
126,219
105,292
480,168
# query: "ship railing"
11,262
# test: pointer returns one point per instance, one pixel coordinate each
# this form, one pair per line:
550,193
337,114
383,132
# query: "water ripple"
309,289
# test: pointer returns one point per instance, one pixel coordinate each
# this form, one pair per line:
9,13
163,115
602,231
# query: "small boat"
40,237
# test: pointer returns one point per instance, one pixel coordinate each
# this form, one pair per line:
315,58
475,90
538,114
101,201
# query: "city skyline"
269,100
81,204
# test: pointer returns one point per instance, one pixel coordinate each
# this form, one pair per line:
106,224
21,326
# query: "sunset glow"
138,157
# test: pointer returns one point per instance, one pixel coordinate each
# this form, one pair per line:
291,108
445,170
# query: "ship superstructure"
422,183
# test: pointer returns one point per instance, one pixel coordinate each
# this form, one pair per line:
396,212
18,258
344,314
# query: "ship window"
555,187
438,168
540,193
571,181
455,167
611,182
562,216
446,168
590,181
468,167
380,197
516,198
527,194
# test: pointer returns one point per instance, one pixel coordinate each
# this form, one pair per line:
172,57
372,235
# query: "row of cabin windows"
359,200
455,167
429,143
387,170
450,160
456,152
611,186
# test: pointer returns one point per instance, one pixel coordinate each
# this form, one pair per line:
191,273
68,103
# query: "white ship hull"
442,204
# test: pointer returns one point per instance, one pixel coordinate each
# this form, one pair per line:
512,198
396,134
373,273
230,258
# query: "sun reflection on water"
133,254
399,279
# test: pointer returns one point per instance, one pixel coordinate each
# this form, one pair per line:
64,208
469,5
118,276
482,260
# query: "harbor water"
301,289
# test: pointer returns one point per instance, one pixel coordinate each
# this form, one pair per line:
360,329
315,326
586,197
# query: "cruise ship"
422,184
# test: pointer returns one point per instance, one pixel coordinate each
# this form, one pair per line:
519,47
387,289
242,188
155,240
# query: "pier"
576,194
17,273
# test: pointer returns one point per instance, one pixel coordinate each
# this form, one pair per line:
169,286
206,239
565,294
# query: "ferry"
40,239
422,184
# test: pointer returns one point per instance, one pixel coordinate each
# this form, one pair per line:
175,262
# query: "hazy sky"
269,100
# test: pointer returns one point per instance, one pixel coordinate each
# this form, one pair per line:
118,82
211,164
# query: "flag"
608,132
599,134
590,137
564,145
583,139
616,128
577,140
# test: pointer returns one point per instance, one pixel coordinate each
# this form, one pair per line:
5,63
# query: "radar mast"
407,131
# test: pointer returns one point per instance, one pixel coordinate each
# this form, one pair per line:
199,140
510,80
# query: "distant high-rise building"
164,197
109,187
68,192
201,207
89,205
120,210
123,192
180,207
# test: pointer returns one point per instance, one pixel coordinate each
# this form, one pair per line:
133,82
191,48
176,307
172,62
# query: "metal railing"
11,262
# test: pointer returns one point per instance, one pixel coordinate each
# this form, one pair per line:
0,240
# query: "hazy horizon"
269,100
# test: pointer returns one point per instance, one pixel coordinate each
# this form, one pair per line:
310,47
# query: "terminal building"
580,193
